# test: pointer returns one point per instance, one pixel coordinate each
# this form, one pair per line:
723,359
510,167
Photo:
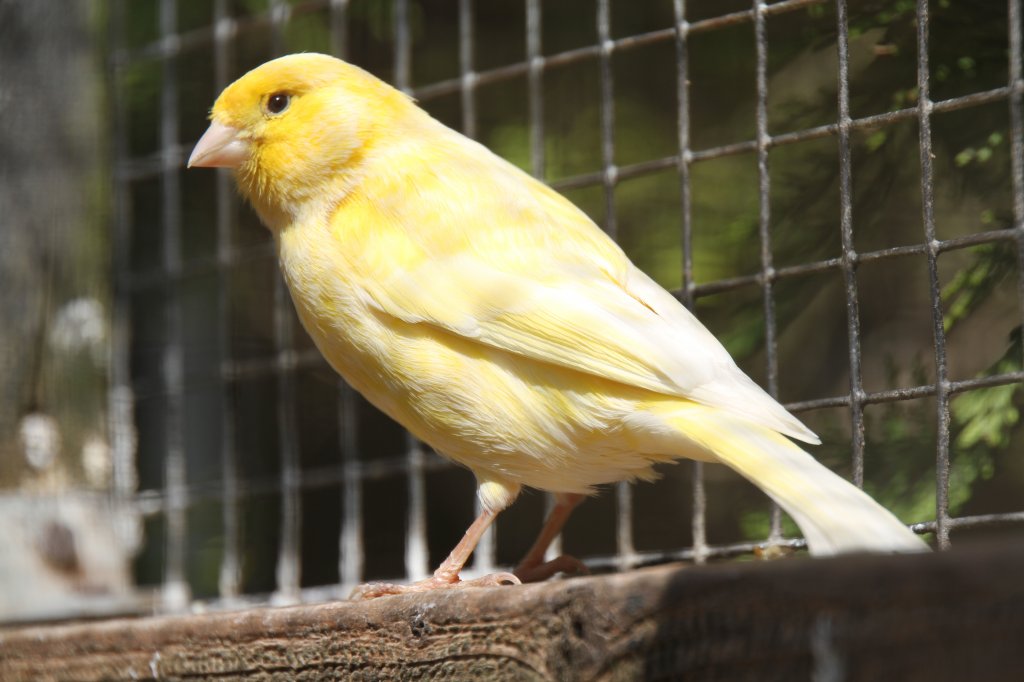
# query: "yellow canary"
491,317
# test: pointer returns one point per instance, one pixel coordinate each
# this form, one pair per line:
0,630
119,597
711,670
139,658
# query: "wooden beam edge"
955,615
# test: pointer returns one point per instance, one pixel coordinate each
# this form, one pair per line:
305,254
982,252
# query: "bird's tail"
834,515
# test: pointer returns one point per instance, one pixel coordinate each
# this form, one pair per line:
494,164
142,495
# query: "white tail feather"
834,515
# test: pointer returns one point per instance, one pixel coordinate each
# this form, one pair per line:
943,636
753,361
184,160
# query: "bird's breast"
330,302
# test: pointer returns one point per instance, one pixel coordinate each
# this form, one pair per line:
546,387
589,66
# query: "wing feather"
635,333
541,281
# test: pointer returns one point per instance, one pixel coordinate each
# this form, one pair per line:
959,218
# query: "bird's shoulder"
437,195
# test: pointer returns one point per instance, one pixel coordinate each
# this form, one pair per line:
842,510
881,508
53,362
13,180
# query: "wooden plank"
953,616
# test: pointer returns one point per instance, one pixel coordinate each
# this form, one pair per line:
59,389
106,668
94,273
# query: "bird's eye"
278,102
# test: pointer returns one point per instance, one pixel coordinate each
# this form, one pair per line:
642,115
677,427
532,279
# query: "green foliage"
979,154
876,140
986,418
992,264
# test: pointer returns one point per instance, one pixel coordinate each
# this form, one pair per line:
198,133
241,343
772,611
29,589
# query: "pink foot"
537,572
374,590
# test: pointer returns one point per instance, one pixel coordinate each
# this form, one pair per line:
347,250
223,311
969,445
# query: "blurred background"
170,439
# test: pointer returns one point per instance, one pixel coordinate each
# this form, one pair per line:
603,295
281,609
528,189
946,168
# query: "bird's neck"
278,210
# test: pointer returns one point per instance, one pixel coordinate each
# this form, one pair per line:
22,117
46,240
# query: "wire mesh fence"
260,476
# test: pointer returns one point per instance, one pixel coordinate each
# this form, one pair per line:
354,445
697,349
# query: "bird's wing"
576,315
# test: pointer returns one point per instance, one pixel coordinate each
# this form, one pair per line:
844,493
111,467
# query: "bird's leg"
447,574
533,568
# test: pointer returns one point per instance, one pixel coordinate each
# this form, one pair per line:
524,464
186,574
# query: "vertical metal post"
536,63
289,568
121,399
351,547
1016,102
350,542
609,177
339,28
698,527
849,255
176,593
536,87
417,555
403,46
609,171
765,226
484,554
924,111
229,582
467,75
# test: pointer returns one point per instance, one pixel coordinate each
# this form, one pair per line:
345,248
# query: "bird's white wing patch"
729,389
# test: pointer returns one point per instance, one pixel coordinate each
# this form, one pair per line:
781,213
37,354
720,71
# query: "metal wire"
484,560
935,290
353,470
849,257
176,588
416,550
535,60
1016,101
764,230
289,565
121,401
698,523
229,582
350,542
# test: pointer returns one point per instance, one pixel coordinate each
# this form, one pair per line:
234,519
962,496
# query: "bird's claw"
373,590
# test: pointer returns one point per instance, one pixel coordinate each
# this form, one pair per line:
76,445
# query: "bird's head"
296,129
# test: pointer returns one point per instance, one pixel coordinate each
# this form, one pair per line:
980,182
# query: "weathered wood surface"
955,616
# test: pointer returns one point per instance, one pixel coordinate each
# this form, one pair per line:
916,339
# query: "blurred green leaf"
973,284
876,140
964,157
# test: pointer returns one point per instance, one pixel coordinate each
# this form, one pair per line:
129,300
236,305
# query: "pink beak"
219,147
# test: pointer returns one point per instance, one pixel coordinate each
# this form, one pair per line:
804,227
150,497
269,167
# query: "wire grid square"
225,417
